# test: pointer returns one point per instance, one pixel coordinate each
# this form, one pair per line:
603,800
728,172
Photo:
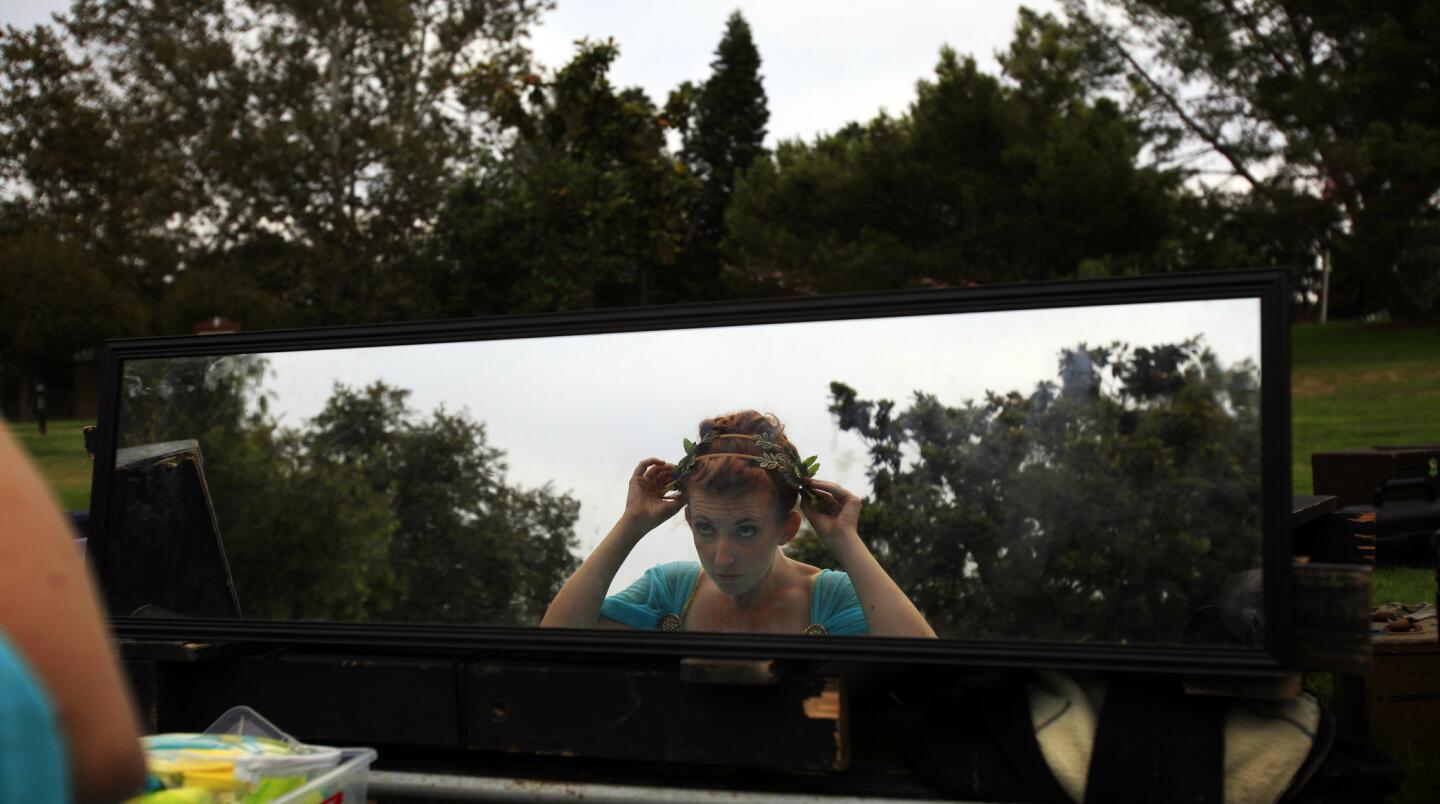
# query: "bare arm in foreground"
50,612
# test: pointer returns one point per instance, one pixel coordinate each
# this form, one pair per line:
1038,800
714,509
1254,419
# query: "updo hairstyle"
729,476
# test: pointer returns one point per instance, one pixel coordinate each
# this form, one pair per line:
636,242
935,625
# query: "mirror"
1072,474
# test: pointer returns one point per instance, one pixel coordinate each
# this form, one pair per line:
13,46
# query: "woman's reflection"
739,486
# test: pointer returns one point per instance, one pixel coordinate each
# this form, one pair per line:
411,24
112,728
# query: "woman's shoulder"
675,572
836,581
835,604
662,584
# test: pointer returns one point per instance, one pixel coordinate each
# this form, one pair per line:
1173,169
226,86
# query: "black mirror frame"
1269,287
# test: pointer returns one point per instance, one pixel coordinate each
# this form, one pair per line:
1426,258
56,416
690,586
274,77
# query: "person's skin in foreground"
739,524
51,614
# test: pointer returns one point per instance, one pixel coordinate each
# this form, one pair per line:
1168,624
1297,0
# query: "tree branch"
1211,138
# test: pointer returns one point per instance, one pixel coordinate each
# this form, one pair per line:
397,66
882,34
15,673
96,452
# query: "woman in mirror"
742,487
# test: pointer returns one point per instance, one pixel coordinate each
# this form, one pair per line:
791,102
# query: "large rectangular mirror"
1084,464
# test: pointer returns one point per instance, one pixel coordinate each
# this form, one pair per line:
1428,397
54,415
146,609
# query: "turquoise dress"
33,765
658,600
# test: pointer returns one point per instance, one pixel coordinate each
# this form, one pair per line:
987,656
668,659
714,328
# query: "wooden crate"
1400,699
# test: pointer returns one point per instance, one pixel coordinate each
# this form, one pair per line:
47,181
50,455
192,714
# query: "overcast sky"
824,64
582,411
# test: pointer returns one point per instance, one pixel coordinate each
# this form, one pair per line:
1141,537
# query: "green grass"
1361,385
1402,585
62,458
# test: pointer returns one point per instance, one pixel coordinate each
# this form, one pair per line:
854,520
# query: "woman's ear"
792,526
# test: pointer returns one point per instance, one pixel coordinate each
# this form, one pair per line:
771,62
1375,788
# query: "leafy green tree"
466,547
175,398
980,181
1109,505
77,165
722,123
55,302
1333,100
191,135
585,208
368,512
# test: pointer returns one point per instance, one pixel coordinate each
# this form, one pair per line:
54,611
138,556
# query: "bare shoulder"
806,571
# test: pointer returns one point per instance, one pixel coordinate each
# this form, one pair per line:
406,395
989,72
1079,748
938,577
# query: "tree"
367,512
1331,100
1084,510
585,207
466,547
722,123
56,302
980,181
77,165
177,136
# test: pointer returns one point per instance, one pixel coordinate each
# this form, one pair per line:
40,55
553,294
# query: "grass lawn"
62,458
1361,385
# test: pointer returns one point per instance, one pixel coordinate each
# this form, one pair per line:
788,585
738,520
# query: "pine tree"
723,126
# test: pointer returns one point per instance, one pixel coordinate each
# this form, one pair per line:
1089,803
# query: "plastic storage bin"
344,785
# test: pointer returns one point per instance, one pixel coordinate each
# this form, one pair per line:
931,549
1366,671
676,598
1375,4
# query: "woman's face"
737,535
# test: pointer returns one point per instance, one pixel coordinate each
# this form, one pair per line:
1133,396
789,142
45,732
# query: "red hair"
728,476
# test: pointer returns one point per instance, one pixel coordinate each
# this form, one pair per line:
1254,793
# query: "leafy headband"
784,461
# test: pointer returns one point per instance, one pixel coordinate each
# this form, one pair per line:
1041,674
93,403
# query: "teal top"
666,589
33,765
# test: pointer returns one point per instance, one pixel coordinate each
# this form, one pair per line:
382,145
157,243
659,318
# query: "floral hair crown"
784,461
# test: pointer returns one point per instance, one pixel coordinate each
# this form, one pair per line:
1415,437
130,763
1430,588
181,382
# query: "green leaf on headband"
689,446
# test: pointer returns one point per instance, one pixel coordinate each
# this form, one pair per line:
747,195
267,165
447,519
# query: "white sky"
584,410
824,64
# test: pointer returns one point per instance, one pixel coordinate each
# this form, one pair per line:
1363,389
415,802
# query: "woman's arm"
887,610
577,604
49,611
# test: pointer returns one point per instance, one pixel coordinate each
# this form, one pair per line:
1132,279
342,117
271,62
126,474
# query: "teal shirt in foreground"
33,766
665,589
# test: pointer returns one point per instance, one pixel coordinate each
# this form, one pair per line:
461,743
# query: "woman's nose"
723,556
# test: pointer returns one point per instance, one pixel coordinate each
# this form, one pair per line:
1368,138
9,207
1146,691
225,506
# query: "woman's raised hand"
645,503
837,514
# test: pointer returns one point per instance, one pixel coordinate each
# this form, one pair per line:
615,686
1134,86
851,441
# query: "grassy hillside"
1361,385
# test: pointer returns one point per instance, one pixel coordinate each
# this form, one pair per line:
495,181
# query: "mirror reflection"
1074,475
